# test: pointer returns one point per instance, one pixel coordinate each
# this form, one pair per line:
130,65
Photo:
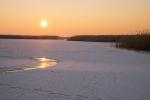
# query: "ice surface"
85,71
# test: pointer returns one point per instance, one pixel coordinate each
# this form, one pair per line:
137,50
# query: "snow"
84,71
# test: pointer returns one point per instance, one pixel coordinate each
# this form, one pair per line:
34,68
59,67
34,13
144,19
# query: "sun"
44,23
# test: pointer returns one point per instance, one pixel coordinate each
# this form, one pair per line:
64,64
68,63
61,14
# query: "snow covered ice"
84,71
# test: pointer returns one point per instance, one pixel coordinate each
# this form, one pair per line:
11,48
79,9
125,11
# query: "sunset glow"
44,23
73,17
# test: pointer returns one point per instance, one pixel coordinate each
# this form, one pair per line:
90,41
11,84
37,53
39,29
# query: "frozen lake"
65,70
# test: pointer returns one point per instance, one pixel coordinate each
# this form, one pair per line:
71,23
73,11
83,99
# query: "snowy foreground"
84,71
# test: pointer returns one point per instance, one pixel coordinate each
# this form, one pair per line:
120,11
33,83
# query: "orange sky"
74,17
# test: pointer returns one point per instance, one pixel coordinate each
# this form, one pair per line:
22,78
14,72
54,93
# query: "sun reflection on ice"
39,63
45,63
44,59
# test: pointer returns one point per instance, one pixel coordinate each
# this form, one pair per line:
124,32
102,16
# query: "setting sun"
44,23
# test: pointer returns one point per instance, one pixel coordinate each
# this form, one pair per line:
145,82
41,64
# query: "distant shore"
28,37
140,41
96,38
